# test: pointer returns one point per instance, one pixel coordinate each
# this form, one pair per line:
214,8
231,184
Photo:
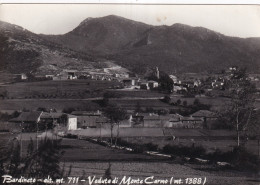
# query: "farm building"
21,76
208,117
174,121
52,119
87,119
127,123
179,88
191,122
129,82
174,78
153,84
144,85
149,120
205,115
26,121
71,122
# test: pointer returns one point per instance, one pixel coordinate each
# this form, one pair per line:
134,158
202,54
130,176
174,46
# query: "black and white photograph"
129,94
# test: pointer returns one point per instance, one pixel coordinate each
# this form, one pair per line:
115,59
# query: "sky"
232,20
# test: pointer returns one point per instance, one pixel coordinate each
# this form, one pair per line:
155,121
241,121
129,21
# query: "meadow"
84,159
57,89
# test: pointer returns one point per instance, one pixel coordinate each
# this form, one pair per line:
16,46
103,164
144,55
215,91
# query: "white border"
224,2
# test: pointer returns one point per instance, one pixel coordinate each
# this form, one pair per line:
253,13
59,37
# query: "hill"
137,46
176,48
101,36
22,51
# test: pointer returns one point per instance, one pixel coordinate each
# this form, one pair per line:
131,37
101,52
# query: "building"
87,119
144,85
157,73
174,121
149,120
174,78
179,88
71,122
21,76
26,122
191,122
127,123
50,120
71,74
129,82
153,84
206,116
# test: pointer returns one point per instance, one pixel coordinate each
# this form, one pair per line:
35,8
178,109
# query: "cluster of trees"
241,113
39,161
6,116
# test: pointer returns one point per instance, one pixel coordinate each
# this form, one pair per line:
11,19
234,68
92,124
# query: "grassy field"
88,159
59,105
211,140
58,89
161,170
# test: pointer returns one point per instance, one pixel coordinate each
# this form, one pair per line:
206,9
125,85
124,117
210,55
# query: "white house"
72,122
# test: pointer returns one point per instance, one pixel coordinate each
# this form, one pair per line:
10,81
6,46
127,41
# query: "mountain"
176,48
137,46
22,51
101,35
181,48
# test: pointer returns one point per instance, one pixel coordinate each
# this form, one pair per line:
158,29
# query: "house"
191,122
174,78
49,76
179,88
21,76
50,120
129,82
71,74
127,123
26,121
71,122
144,85
174,121
87,119
60,77
148,120
153,84
103,122
152,120
197,83
208,117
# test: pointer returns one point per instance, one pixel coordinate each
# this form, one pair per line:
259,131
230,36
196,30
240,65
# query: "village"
195,116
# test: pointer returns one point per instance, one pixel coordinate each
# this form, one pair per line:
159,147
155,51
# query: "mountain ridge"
177,47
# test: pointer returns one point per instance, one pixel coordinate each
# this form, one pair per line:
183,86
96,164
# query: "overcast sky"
231,20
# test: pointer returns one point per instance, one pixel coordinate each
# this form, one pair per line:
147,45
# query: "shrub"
151,147
192,151
166,99
239,157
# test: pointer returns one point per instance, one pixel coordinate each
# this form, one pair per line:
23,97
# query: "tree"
241,107
167,99
115,114
184,103
43,109
166,83
178,102
38,163
196,102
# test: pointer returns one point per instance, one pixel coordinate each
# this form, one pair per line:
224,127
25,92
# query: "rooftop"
27,117
204,113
